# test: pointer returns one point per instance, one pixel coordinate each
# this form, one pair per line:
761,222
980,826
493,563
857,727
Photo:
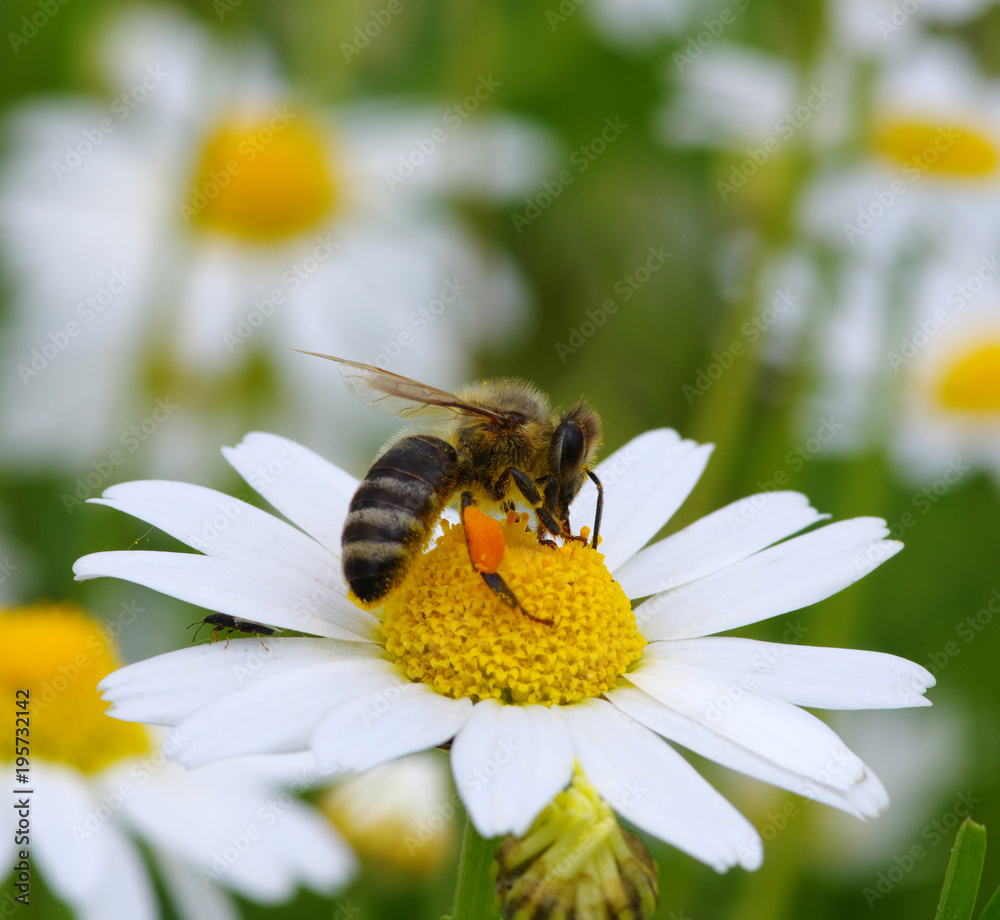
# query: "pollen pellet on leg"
485,538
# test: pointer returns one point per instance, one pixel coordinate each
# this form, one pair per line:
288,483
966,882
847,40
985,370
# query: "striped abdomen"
393,511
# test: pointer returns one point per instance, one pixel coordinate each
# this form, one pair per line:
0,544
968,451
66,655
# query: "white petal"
784,734
314,854
283,600
192,815
219,525
646,781
308,490
824,678
645,482
717,540
383,725
62,802
126,892
509,763
191,898
277,714
786,577
167,688
684,731
8,849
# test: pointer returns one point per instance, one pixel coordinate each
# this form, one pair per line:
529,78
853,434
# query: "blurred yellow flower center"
58,654
447,629
971,382
944,150
263,181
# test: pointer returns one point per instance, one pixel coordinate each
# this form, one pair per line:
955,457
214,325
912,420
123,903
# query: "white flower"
344,694
638,24
752,104
944,368
91,791
399,815
911,364
174,243
728,96
929,170
879,27
923,761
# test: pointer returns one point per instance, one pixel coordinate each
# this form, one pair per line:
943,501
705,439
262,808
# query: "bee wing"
393,394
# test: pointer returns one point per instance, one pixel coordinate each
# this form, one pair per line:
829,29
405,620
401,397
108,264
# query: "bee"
499,442
221,621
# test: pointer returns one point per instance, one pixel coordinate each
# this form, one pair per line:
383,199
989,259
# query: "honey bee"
499,442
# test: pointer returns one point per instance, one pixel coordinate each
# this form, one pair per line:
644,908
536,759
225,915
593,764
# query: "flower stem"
474,895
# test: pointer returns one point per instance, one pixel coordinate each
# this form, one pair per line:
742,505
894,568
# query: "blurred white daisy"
911,364
167,247
946,369
638,24
751,104
727,97
521,701
922,760
880,27
91,790
926,171
399,815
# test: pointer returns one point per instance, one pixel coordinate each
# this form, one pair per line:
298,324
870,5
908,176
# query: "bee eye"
571,446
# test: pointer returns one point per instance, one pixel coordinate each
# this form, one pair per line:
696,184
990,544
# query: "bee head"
574,444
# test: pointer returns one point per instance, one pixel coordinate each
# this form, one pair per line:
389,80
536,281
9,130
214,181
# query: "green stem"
474,895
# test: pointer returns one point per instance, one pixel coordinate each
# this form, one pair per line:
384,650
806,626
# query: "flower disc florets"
448,630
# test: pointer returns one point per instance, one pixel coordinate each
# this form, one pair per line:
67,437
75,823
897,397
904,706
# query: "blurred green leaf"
992,910
961,880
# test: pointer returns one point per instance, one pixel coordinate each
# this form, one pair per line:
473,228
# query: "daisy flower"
943,367
637,24
208,217
912,365
90,790
521,701
924,170
399,815
728,96
873,26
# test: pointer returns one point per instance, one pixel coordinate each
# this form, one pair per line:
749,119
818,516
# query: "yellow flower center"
944,150
263,181
58,654
971,382
449,630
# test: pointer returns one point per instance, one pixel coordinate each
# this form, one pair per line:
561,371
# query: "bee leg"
550,499
494,580
552,492
531,495
600,506
499,587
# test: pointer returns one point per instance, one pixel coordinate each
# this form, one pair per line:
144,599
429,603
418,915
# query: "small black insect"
221,621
